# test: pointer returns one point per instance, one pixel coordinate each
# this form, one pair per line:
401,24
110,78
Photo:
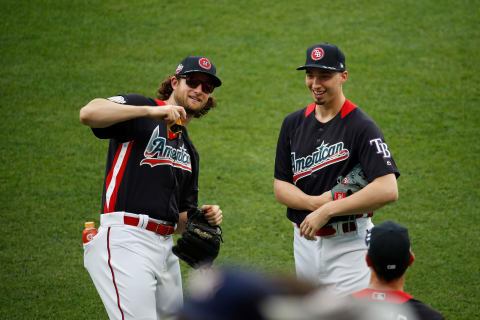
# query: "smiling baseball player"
317,145
151,181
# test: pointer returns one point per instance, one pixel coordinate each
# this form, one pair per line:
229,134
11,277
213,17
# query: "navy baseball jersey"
149,170
312,155
394,297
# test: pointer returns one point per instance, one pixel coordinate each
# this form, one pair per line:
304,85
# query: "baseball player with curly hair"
317,145
151,181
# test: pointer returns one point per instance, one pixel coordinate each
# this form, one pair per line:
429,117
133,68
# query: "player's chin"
319,100
195,111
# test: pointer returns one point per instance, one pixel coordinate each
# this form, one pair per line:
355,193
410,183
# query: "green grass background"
413,67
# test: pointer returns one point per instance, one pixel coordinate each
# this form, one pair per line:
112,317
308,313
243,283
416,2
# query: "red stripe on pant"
113,274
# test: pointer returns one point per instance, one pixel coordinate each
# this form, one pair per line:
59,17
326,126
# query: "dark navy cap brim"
319,66
216,80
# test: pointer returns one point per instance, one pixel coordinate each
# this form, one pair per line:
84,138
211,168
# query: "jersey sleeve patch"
117,99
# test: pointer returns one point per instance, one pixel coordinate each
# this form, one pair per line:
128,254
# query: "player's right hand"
169,113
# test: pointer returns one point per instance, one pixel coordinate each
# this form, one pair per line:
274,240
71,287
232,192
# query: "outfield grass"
413,67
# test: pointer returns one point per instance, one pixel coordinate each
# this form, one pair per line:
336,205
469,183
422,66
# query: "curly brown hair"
165,91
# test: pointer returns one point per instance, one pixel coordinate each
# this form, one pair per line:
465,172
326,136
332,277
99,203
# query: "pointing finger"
176,114
182,112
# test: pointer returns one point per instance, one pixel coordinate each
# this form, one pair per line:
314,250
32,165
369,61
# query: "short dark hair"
389,250
384,274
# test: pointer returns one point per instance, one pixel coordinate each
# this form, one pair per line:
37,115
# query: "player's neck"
330,109
377,284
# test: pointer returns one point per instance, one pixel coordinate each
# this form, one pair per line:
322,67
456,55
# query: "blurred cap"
389,247
226,294
324,56
198,64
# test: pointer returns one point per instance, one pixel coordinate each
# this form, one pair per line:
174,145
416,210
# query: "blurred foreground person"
235,293
231,294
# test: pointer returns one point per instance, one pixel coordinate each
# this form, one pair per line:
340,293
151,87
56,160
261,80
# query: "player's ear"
412,258
174,82
344,76
369,262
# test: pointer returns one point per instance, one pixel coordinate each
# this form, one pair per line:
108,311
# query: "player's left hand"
318,201
312,223
213,214
199,244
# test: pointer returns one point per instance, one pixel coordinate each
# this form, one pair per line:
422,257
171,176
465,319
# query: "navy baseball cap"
389,248
324,56
227,294
198,64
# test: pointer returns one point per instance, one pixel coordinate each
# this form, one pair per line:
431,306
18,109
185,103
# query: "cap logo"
317,54
179,68
204,63
117,99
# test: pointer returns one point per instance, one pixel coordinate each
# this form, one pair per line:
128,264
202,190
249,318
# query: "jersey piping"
391,296
115,175
309,109
346,108
113,274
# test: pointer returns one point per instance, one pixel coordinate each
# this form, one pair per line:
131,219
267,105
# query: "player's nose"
317,81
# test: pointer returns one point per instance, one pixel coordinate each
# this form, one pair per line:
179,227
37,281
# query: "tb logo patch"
381,146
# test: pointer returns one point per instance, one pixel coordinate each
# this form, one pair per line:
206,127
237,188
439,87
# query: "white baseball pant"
134,270
336,261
